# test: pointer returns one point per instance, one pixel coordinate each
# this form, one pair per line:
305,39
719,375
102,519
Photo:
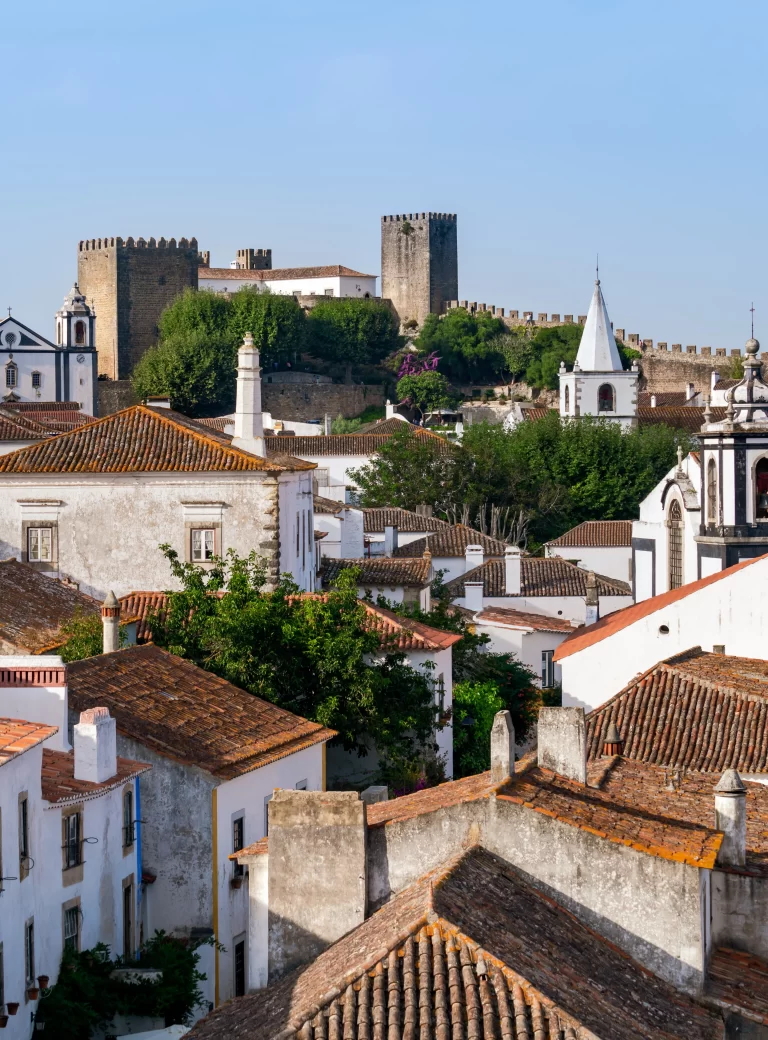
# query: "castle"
419,263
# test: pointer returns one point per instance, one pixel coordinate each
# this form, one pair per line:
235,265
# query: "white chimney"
390,540
473,596
110,621
690,391
731,819
592,601
512,567
327,424
714,379
95,743
249,427
390,409
653,400
562,742
502,747
158,402
473,556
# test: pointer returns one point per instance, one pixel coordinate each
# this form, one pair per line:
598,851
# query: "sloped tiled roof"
218,422
664,398
376,519
470,950
627,616
381,571
190,715
452,540
597,534
280,274
18,736
391,425
550,576
139,440
687,418
33,607
140,605
60,785
329,506
738,981
524,619
347,443
699,710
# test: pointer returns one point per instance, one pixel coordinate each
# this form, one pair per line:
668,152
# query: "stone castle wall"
130,283
419,263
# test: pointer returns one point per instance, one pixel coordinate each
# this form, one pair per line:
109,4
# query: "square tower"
419,263
129,284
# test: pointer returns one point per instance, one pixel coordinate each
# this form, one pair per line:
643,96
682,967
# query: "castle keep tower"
419,263
130,283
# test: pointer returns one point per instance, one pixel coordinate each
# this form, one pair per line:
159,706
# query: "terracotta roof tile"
139,440
381,571
532,414
347,443
33,607
621,619
524,619
664,398
280,274
219,422
390,425
546,974
452,540
597,534
376,519
60,786
407,807
550,576
18,736
140,605
688,418
328,506
738,981
193,716
44,406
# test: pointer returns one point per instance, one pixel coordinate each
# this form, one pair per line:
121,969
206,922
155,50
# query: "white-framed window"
39,544
72,928
72,842
238,842
203,542
37,380
547,669
11,376
29,952
127,817
329,292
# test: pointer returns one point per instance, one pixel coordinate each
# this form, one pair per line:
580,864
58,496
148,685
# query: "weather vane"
752,309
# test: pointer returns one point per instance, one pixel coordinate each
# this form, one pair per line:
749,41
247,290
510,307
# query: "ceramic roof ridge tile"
621,619
34,606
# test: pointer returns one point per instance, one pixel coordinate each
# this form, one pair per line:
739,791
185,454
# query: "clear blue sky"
554,130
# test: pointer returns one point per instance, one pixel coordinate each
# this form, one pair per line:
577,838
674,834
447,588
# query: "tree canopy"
352,331
427,391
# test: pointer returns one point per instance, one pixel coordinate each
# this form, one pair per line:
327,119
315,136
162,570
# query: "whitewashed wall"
611,560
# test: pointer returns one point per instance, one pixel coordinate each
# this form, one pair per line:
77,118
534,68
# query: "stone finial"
731,819
613,744
110,622
502,747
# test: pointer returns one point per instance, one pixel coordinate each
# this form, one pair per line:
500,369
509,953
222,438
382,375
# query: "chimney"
592,600
512,565
731,819
473,596
389,409
653,400
690,391
502,747
613,744
249,427
390,540
714,379
158,402
473,555
95,743
562,742
327,423
110,621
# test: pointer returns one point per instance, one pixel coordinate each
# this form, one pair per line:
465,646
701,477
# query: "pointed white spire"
249,424
597,350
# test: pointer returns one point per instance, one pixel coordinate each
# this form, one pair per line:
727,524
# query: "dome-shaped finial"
751,347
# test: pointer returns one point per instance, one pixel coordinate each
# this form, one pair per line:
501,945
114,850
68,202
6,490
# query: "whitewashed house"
341,526
34,369
398,581
455,549
331,280
598,384
96,503
70,835
390,528
531,637
604,546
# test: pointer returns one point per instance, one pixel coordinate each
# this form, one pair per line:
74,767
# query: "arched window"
761,490
80,332
606,398
567,399
712,492
11,376
675,525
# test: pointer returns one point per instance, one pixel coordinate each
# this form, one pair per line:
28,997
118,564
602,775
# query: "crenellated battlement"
538,319
450,217
92,245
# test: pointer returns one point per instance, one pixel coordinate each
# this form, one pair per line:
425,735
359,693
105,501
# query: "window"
202,544
238,842
58,333
761,490
712,491
675,525
2,977
127,817
127,919
440,688
72,841
29,952
329,292
11,376
567,398
24,836
72,928
547,669
39,544
37,380
606,398
80,332
239,960
267,800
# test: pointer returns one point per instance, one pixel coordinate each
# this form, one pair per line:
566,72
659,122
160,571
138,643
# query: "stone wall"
299,403
130,283
113,395
419,263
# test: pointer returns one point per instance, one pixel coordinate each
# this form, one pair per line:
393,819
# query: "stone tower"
419,263
130,283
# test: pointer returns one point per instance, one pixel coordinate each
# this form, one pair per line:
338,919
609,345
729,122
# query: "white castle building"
598,384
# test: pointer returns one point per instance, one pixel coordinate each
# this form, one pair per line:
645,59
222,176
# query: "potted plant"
33,992
236,881
42,981
12,1007
3,1021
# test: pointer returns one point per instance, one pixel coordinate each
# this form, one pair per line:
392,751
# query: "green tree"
408,470
196,369
352,331
277,323
83,636
471,347
474,707
426,391
195,311
551,346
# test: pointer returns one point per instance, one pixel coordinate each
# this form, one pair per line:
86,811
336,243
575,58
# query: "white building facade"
335,280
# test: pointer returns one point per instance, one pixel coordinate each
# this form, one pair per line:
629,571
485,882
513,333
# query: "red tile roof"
664,398
738,981
549,576
382,571
219,422
33,607
627,616
60,786
688,418
185,713
280,274
329,506
139,440
18,736
454,792
452,540
597,534
524,619
140,605
376,519
347,443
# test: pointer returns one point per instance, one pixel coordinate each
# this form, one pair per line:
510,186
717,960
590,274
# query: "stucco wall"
612,561
572,608
740,912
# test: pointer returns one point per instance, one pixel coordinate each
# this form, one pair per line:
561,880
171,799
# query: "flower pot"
33,992
3,1021
42,981
12,1007
236,882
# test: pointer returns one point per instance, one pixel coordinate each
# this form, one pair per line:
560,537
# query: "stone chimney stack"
512,567
690,391
714,379
592,600
502,747
731,819
473,557
110,620
249,423
95,744
473,595
562,742
653,400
